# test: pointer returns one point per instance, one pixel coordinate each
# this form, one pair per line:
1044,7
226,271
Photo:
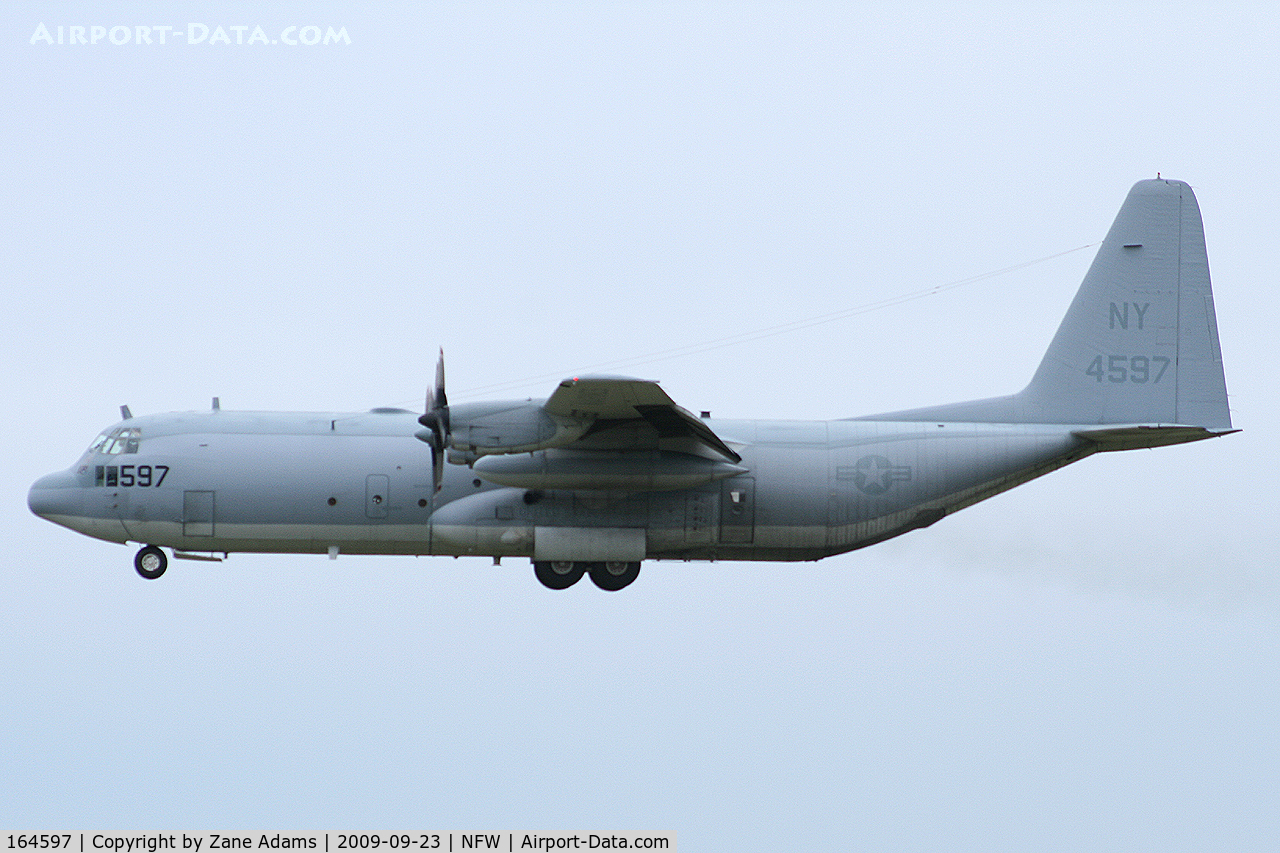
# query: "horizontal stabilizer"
1137,436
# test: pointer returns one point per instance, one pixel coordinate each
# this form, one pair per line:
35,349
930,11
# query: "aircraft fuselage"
309,482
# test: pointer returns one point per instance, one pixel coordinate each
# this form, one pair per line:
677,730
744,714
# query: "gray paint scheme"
609,468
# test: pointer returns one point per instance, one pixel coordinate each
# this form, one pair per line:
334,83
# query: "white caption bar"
332,842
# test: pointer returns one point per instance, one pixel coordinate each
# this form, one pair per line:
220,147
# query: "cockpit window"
118,440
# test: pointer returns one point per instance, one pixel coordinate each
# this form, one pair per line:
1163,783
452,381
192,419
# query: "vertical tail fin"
1139,344
1140,341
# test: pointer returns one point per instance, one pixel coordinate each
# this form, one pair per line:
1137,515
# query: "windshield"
118,440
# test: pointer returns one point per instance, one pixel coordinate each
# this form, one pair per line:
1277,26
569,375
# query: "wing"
619,407
593,433
585,413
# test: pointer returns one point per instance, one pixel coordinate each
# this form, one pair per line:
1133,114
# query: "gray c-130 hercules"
608,471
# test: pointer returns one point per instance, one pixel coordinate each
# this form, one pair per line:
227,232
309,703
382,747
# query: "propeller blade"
439,399
437,467
436,419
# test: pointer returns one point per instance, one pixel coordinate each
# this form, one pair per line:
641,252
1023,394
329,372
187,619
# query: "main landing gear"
150,562
562,574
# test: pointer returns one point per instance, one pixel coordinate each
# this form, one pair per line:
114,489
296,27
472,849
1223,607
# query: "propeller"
436,419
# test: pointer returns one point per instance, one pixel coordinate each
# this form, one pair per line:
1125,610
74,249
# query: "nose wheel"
150,562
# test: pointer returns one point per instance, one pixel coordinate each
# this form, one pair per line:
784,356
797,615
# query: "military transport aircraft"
608,471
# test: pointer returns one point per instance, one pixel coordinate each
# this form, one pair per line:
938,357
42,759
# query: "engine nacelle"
523,426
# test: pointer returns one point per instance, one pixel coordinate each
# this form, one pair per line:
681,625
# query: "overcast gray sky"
1089,662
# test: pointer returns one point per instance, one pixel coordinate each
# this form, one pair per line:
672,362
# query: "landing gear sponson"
562,574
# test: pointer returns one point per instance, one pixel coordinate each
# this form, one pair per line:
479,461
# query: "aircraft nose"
55,495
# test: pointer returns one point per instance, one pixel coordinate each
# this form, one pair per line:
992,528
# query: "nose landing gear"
150,562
